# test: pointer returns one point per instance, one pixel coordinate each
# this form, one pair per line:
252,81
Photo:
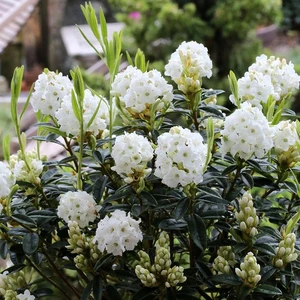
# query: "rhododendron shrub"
161,193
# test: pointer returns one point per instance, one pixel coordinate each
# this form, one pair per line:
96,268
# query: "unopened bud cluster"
247,217
225,261
87,252
249,270
161,271
285,252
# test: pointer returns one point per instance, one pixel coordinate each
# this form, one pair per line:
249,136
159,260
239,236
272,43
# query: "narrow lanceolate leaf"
6,147
197,231
97,288
30,243
268,289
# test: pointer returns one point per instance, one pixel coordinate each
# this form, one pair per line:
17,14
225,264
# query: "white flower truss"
117,233
131,153
246,133
7,180
25,296
180,157
70,124
285,135
188,64
255,88
139,91
283,76
49,90
78,206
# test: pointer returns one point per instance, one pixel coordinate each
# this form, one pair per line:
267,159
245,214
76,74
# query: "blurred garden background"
235,32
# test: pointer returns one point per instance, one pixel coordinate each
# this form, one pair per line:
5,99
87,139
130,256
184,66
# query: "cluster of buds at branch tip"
160,272
224,262
249,270
247,217
285,252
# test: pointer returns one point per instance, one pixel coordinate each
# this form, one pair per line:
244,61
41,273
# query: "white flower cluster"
49,90
283,76
285,136
7,180
78,206
246,133
255,88
70,124
139,91
118,233
181,156
131,153
29,173
188,64
26,296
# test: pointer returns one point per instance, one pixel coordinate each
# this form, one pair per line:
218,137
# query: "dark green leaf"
42,292
151,201
104,261
247,179
267,289
30,242
181,208
266,272
144,294
97,288
229,169
244,291
291,186
265,248
87,291
172,224
99,187
23,219
227,279
113,293
3,249
197,231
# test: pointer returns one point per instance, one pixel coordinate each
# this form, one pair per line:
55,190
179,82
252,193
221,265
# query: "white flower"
131,153
25,296
7,180
78,206
138,91
181,156
246,133
70,124
188,64
255,88
118,233
29,173
285,135
49,90
283,76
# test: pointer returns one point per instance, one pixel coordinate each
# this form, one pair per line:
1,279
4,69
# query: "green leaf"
247,179
144,294
172,224
3,249
181,208
234,88
197,230
30,243
87,291
23,219
99,187
97,288
265,248
267,289
104,261
112,293
266,272
227,279
6,147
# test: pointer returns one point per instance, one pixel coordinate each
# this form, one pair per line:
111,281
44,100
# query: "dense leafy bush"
291,14
162,193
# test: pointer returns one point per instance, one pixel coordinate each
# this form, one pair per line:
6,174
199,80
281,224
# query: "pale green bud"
146,277
10,295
